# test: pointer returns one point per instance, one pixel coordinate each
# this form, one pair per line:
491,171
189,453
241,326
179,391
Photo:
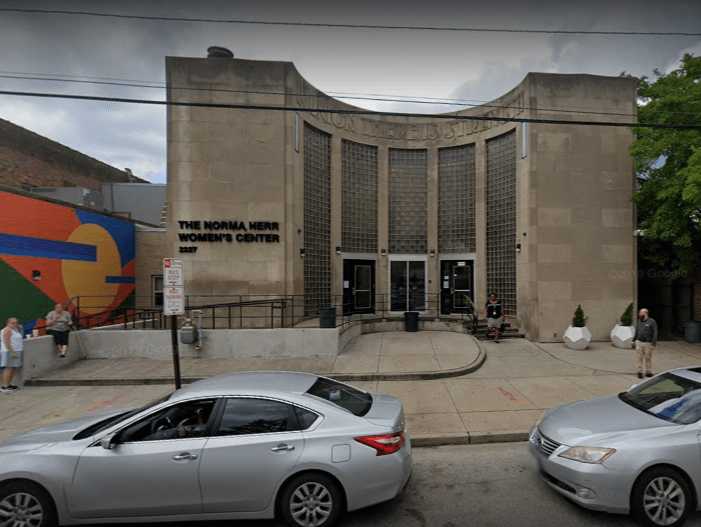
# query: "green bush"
627,316
579,320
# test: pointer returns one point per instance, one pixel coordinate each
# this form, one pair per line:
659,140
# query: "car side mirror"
108,442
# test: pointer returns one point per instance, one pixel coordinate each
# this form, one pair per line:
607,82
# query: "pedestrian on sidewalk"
58,324
645,342
11,345
494,316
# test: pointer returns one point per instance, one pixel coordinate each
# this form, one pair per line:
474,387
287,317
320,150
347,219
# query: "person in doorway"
58,325
494,316
11,345
645,342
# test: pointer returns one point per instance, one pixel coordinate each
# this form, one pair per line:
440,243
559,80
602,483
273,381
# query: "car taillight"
383,444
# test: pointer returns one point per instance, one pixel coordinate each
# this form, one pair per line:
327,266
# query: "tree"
668,165
579,320
627,316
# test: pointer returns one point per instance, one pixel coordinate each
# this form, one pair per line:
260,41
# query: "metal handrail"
260,311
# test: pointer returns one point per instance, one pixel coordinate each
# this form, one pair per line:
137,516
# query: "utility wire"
690,126
364,97
345,26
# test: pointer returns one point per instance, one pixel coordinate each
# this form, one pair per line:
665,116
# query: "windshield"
98,427
669,397
347,397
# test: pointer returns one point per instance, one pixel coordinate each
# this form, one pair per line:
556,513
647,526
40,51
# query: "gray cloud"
427,64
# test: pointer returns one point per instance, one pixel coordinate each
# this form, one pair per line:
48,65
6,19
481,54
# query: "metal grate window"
456,199
317,220
407,201
359,218
501,219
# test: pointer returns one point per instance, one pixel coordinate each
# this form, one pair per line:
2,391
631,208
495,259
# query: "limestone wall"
574,185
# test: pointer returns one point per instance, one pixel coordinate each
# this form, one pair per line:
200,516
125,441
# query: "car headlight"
588,454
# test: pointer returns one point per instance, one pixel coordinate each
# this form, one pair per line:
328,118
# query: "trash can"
692,331
411,321
327,317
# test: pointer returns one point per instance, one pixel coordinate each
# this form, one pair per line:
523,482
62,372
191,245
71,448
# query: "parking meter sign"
173,301
173,273
173,287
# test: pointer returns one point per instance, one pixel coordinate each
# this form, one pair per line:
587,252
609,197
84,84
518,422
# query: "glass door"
462,286
407,285
362,292
358,286
457,286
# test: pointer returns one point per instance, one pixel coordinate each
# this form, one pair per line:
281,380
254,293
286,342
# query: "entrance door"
358,286
407,285
457,286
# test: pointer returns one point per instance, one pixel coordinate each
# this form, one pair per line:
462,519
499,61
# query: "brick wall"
29,159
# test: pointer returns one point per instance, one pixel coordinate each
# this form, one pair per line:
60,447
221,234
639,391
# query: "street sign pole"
174,305
176,350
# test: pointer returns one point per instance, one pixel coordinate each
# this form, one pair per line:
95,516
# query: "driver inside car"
192,423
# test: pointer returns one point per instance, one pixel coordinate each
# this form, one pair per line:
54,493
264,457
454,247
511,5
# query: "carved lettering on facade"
424,132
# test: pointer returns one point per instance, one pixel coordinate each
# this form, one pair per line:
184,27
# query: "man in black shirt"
494,316
645,342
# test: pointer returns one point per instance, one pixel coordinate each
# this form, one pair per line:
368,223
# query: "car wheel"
311,500
26,504
661,498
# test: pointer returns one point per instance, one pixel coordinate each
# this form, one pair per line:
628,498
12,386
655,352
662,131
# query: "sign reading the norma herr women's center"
173,287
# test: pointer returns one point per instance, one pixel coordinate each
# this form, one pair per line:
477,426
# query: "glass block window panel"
407,201
456,199
317,220
501,219
359,218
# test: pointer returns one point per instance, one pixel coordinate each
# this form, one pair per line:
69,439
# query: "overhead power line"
472,29
689,126
337,95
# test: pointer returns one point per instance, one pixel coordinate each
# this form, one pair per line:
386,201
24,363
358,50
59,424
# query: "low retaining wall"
113,342
40,357
220,343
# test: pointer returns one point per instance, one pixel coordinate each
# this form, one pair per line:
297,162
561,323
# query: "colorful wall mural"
52,253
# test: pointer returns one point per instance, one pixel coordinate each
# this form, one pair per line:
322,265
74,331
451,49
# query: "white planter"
622,336
577,338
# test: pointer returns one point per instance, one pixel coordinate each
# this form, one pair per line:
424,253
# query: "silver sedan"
638,452
295,446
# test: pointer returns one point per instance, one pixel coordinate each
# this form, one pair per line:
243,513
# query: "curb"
474,438
473,366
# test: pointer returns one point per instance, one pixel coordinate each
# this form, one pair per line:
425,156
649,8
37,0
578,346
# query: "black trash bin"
411,321
327,317
692,331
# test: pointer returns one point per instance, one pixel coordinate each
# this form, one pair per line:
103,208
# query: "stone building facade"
384,214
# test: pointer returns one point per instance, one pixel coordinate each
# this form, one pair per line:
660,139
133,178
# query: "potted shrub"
578,336
623,333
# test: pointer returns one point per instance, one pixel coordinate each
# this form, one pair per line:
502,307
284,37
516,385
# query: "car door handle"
282,447
183,456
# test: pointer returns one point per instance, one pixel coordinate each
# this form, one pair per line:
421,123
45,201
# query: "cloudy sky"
473,66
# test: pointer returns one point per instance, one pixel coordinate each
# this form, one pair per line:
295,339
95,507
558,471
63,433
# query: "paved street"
480,486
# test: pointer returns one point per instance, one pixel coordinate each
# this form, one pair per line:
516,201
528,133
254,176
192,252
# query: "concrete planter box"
577,338
622,336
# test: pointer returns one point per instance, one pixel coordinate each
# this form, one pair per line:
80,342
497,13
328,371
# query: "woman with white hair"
11,345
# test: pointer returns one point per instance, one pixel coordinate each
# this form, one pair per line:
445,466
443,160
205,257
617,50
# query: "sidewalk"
499,402
374,356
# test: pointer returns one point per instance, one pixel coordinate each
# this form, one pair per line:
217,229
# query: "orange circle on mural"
88,279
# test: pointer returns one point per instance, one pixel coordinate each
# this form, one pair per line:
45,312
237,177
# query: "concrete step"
510,332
